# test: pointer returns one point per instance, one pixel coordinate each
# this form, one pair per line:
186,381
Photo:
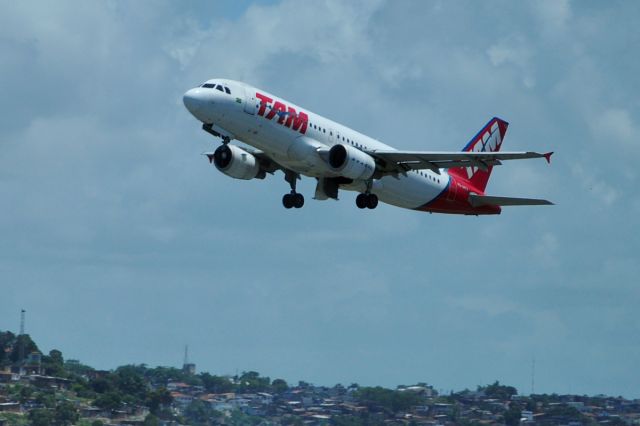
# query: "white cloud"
102,175
514,51
552,15
615,126
265,32
595,184
545,250
489,305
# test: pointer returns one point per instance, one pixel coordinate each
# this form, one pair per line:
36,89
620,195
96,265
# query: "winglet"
547,156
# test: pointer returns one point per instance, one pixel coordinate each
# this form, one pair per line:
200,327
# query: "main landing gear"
367,200
293,199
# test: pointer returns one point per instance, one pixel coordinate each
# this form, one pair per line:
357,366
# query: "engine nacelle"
236,162
350,162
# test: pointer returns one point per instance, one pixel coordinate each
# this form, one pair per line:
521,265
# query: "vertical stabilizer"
488,139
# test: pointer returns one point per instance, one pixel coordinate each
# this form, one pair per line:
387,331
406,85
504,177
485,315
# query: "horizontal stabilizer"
486,200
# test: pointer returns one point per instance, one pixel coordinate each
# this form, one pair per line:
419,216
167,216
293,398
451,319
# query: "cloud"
110,204
553,15
595,184
545,251
491,306
615,125
514,51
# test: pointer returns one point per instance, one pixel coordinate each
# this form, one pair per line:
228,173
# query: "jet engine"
350,162
236,162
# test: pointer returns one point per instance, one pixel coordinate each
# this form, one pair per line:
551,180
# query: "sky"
123,244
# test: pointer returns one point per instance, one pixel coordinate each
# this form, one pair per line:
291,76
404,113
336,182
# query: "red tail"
488,139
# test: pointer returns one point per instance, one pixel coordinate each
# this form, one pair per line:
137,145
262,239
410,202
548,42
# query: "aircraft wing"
402,161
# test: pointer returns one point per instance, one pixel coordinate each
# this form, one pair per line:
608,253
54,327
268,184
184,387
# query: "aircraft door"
250,104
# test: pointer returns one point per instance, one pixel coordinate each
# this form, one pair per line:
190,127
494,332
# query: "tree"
158,398
388,399
250,381
54,364
40,417
109,401
216,384
7,339
129,380
513,415
151,420
29,346
200,413
162,375
302,384
498,391
66,414
24,393
238,418
77,368
291,421
279,386
101,385
56,357
46,398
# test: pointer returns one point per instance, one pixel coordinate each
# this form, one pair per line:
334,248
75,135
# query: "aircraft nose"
193,100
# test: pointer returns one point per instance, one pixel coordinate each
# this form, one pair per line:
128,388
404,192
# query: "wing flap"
486,200
418,160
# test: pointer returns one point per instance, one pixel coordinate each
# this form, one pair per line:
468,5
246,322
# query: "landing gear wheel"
287,201
293,199
372,201
367,201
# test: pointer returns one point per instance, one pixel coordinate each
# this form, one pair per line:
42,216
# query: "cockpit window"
219,87
208,85
226,89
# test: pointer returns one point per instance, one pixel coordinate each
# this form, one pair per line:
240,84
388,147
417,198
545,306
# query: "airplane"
279,135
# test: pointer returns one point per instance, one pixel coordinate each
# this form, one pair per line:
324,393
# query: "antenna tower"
22,312
186,355
21,337
533,375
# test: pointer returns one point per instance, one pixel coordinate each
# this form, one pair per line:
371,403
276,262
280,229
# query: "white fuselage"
264,121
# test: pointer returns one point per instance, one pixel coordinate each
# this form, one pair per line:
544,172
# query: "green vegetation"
498,391
10,345
61,389
377,398
14,419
